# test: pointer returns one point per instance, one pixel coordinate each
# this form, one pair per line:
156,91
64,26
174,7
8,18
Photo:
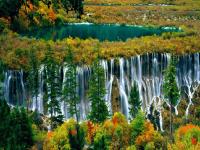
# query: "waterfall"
14,89
83,74
146,70
109,77
38,104
123,83
188,76
63,104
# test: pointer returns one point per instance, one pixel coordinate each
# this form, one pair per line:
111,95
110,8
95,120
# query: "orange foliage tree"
184,129
52,15
91,131
149,135
187,137
118,130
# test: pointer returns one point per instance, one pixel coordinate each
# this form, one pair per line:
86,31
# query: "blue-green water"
97,31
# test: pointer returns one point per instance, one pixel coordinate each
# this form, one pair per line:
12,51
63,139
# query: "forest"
99,75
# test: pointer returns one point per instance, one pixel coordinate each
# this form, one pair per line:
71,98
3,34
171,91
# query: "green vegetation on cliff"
15,49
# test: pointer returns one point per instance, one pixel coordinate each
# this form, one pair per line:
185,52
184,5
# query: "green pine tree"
21,136
2,68
53,88
71,98
33,76
10,8
77,6
77,141
4,124
100,142
96,93
170,89
70,86
134,101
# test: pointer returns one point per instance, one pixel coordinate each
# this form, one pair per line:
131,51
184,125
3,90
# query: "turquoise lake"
101,32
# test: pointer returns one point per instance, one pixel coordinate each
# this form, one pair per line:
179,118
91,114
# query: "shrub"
137,126
112,134
132,147
150,146
101,141
77,137
158,140
69,135
192,138
118,131
149,137
2,26
91,131
36,119
186,137
58,139
38,135
181,132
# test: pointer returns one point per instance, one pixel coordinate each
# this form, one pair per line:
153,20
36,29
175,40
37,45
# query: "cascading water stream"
145,70
63,104
83,74
122,88
108,82
14,89
190,79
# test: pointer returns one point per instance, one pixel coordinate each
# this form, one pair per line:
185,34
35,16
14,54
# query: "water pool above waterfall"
101,32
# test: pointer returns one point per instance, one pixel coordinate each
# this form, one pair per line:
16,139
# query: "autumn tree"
96,93
170,89
137,126
134,101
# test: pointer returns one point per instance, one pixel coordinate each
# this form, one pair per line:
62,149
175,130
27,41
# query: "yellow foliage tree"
149,135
